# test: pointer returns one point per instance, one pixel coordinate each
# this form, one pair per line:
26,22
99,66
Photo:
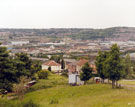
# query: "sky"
66,13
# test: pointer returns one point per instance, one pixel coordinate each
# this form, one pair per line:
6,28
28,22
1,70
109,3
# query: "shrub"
21,87
54,101
30,103
6,103
49,68
65,74
43,74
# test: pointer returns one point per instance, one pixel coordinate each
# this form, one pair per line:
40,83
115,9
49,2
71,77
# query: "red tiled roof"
82,62
51,63
72,68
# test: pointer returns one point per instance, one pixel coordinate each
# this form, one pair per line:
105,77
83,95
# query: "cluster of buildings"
72,67
75,47
34,45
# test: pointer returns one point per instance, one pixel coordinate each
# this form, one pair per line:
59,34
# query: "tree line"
113,66
110,65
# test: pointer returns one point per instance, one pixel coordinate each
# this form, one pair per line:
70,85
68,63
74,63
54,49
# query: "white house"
54,66
74,79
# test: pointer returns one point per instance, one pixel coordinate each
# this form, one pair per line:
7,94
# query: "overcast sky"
66,13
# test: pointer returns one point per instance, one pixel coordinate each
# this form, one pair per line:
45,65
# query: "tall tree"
100,65
7,70
128,65
63,64
86,73
114,66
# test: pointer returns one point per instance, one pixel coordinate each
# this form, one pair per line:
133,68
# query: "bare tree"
21,87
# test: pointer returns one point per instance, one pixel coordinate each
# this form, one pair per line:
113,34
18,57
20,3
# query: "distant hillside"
114,33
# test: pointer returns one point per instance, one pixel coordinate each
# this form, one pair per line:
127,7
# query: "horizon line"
64,27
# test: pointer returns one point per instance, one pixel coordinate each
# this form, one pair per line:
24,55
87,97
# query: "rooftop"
51,63
82,62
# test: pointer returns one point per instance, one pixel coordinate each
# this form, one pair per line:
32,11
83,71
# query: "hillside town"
67,53
33,44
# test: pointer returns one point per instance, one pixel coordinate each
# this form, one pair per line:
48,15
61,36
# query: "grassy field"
55,92
52,81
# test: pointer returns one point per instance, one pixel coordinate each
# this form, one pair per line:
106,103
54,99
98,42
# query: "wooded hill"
114,33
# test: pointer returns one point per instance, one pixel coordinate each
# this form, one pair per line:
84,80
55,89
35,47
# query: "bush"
30,103
43,74
54,101
65,74
49,69
6,103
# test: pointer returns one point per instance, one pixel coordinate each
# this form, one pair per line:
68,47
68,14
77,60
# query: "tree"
133,69
25,66
35,67
114,66
128,65
41,55
7,70
21,88
63,64
86,73
49,68
43,74
56,58
100,65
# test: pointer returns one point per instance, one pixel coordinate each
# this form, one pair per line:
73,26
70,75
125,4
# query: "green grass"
52,81
94,95
55,92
